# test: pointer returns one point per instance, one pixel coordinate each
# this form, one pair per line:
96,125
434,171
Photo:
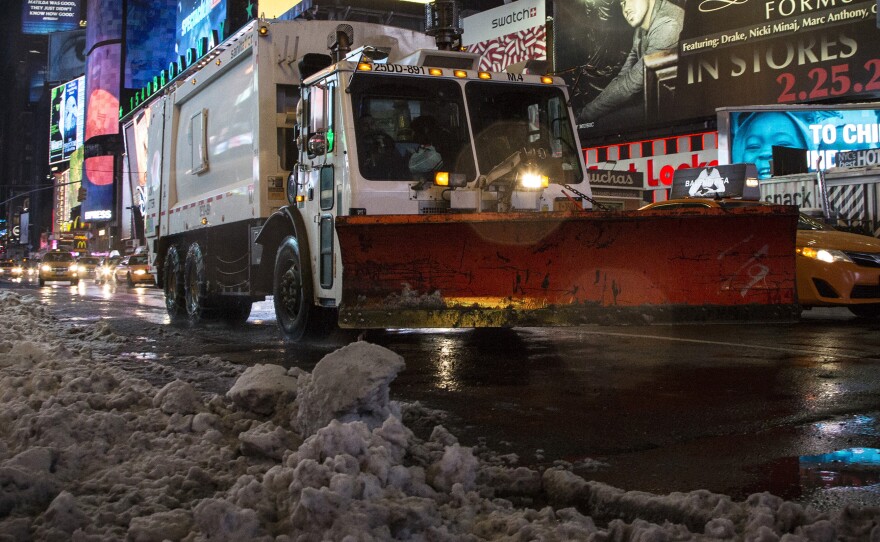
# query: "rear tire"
130,282
173,286
196,285
74,282
293,292
42,282
871,310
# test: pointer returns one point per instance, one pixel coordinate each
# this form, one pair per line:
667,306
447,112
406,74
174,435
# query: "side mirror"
317,145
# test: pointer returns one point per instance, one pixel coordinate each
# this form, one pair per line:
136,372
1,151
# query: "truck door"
321,154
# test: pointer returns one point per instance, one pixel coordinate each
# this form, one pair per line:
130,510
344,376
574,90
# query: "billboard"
149,39
46,16
66,119
198,20
636,64
67,55
103,73
507,35
748,134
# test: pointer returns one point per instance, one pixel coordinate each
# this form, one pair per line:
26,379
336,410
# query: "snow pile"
90,452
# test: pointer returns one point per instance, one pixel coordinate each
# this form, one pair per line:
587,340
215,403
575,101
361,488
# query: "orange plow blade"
561,268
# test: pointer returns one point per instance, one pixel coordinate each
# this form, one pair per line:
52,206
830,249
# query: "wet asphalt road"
732,408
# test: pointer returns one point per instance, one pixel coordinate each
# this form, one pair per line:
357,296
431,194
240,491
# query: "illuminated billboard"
66,120
103,73
672,61
46,16
508,35
149,38
197,20
748,134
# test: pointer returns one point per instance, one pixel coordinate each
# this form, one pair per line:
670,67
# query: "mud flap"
568,268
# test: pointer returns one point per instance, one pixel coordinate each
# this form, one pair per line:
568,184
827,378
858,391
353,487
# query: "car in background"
88,266
6,268
58,266
106,272
134,270
17,271
834,268
32,268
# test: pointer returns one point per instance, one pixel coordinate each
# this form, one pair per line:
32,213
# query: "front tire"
173,286
292,291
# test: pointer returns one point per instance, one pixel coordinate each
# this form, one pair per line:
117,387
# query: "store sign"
616,179
501,21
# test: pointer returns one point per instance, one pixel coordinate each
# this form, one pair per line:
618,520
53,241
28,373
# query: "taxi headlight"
45,267
824,254
17,270
140,272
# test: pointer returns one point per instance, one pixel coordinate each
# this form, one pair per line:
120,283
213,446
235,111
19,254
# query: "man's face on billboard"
634,11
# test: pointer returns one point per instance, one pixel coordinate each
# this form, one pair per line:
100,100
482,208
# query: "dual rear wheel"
187,297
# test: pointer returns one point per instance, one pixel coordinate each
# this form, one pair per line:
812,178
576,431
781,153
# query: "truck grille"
865,259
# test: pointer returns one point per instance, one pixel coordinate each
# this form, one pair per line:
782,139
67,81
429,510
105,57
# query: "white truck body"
220,198
213,146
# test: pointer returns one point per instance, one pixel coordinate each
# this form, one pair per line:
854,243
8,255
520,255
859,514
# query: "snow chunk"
178,397
268,440
350,384
170,525
458,466
262,387
64,514
222,520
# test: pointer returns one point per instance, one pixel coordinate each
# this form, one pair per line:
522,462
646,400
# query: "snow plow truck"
381,181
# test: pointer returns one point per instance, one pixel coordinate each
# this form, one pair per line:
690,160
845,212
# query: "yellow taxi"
834,268
134,270
58,266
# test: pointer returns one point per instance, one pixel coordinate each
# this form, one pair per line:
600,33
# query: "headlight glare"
531,179
45,267
824,254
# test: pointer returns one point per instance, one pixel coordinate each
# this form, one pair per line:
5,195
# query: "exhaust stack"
340,42
443,21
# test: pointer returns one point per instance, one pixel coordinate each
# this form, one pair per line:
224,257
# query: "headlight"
140,272
530,177
824,254
45,268
17,270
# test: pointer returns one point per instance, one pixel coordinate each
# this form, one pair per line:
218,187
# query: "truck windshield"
408,128
509,117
